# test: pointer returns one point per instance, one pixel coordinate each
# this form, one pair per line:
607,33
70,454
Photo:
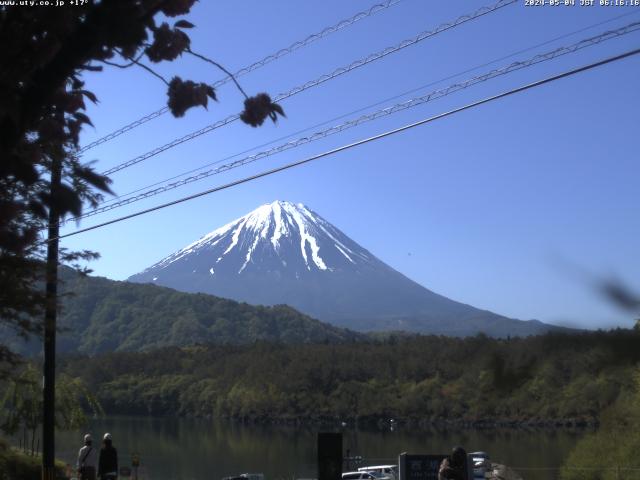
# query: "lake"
198,449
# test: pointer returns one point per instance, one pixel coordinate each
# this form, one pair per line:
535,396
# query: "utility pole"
50,314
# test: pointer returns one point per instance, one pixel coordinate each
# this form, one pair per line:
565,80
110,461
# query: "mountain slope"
284,253
104,315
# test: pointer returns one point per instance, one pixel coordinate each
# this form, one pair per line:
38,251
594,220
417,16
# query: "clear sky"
511,206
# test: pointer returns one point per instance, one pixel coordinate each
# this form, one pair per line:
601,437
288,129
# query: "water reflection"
197,449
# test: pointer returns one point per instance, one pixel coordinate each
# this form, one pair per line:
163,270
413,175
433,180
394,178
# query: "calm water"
188,449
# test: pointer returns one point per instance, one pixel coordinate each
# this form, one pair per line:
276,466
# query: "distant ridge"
101,315
285,253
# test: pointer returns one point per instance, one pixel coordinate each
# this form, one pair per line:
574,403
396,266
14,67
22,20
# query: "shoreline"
383,423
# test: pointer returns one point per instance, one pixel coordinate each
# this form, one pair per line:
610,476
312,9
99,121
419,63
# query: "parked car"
363,476
481,464
246,476
389,472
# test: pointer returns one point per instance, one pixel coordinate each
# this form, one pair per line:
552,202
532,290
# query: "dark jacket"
108,462
450,471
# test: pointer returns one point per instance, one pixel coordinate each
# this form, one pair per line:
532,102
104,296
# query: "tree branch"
202,57
138,63
81,46
130,64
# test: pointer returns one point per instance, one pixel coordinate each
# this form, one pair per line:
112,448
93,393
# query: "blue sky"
498,207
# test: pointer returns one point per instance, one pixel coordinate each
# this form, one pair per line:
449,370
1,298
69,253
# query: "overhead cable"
355,144
398,107
325,32
119,197
317,81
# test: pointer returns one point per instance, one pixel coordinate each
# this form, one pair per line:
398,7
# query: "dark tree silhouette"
43,110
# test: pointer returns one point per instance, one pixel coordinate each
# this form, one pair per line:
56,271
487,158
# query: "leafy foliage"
555,379
42,104
16,465
177,7
20,303
186,94
258,108
42,112
21,405
611,452
168,43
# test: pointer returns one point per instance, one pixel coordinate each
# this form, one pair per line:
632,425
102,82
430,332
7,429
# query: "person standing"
455,467
108,464
87,460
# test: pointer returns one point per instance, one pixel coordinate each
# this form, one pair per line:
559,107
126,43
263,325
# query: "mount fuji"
285,253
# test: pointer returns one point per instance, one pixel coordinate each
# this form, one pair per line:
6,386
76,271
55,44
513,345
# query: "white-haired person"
87,460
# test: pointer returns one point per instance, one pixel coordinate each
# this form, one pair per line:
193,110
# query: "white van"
253,476
389,471
361,476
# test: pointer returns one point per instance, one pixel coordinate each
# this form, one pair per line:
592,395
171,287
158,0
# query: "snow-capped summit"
280,236
285,253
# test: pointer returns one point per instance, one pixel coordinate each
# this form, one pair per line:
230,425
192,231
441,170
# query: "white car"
389,472
363,476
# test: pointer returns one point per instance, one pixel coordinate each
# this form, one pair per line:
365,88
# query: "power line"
318,81
118,198
325,32
359,142
414,102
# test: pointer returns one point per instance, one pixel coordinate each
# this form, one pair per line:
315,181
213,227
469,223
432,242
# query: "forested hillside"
555,377
101,315
611,452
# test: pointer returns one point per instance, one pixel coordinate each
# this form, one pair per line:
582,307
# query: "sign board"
419,467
